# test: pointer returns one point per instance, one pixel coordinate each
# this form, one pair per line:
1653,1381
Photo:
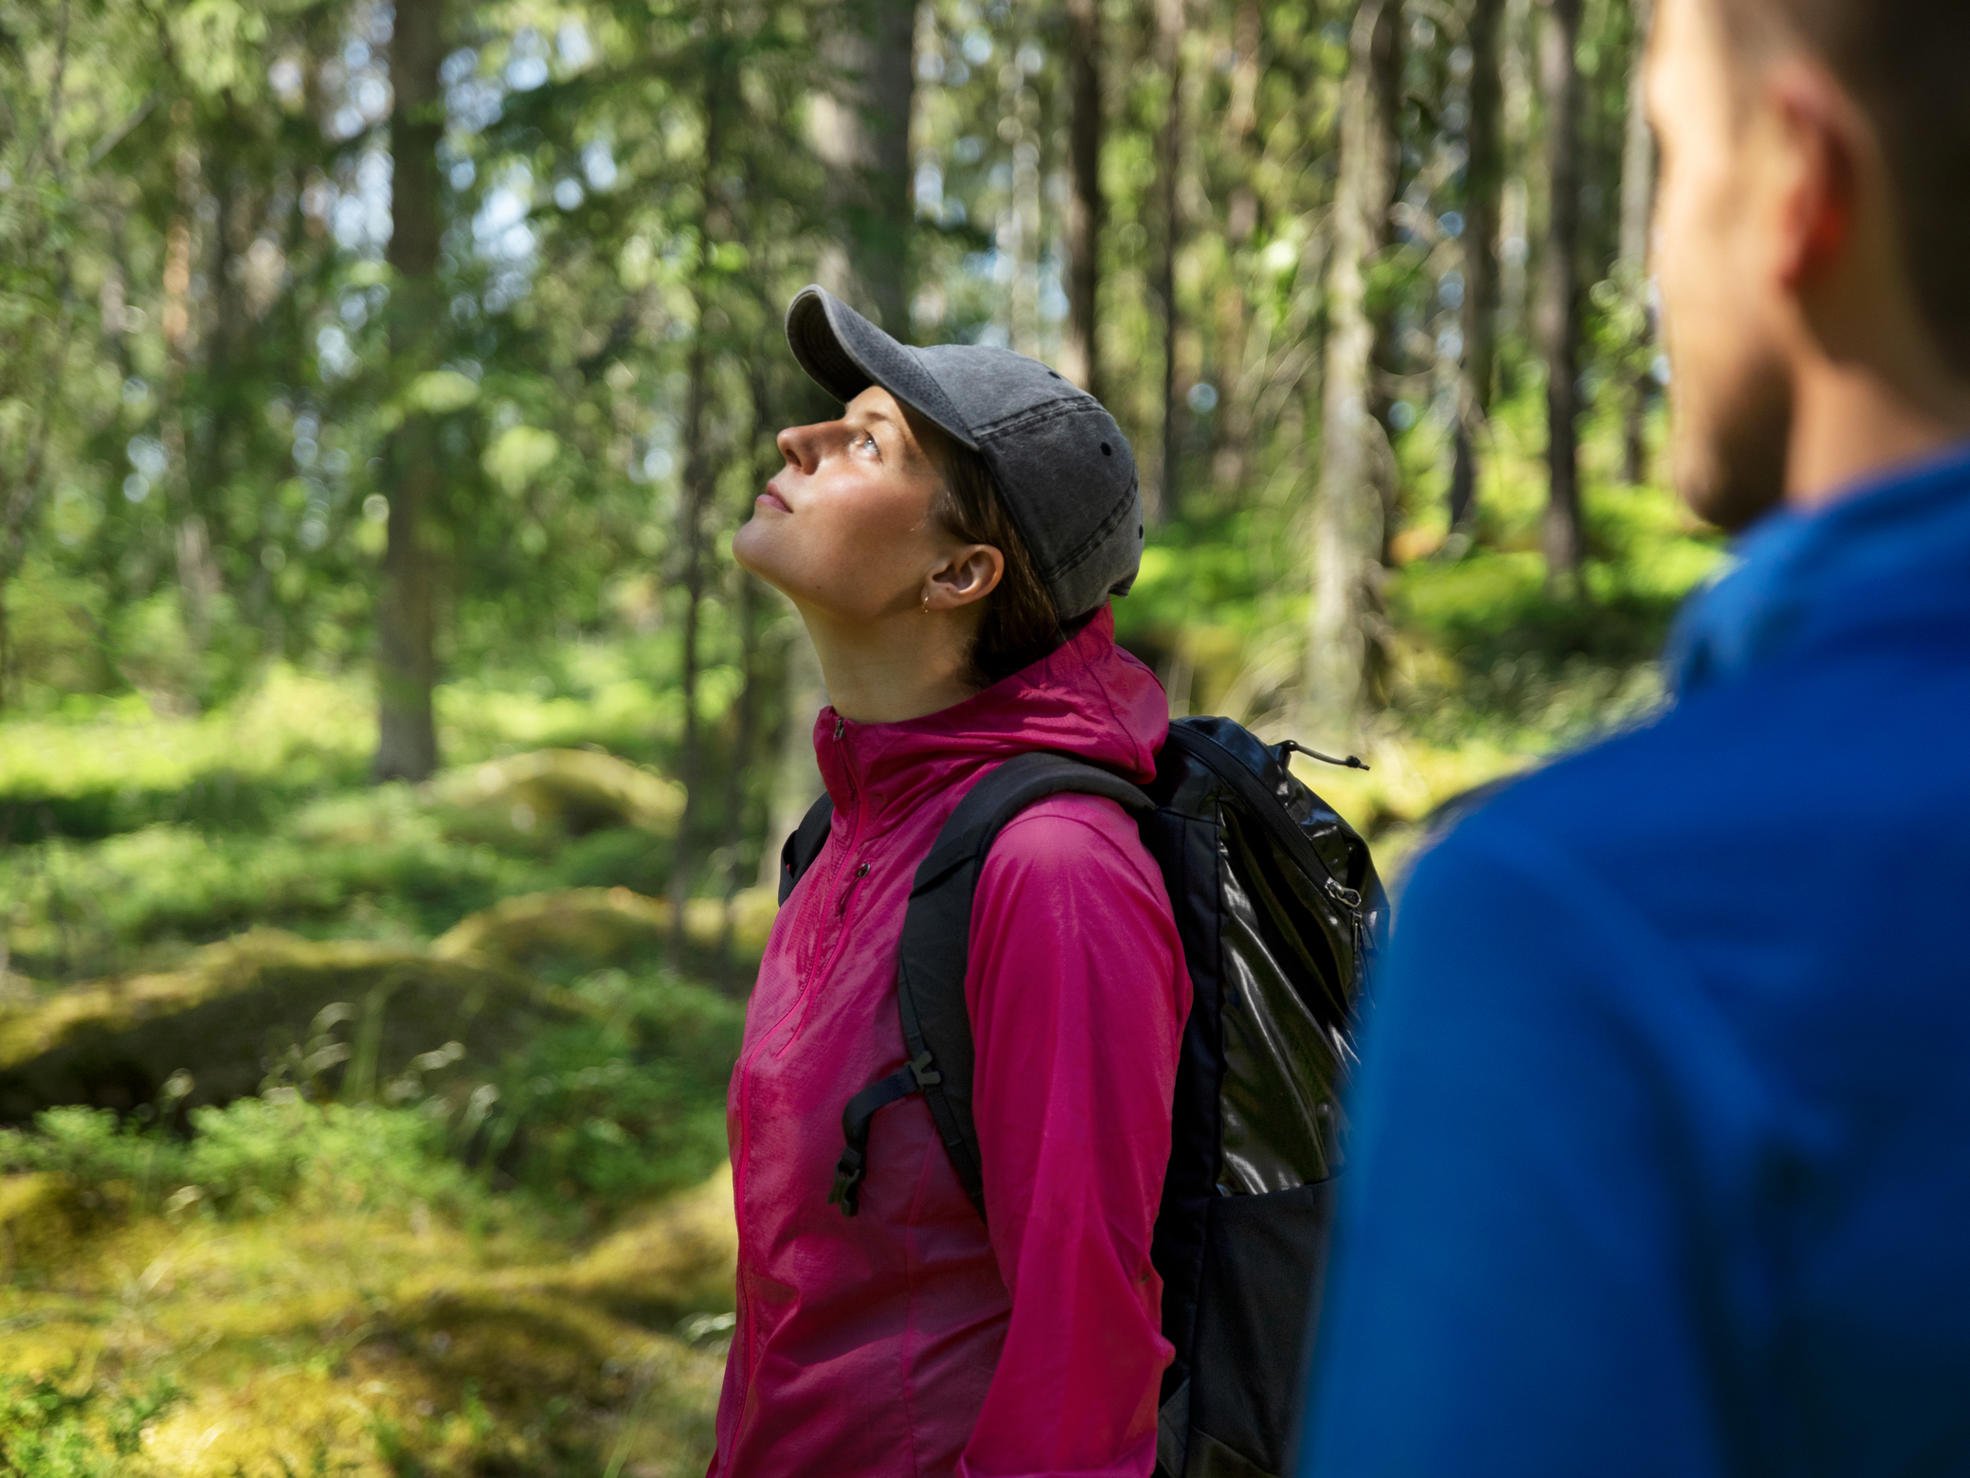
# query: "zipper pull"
1351,762
840,725
847,893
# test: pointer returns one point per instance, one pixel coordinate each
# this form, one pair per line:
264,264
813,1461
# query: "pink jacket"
908,1340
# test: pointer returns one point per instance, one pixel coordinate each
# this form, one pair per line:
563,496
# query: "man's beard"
1730,463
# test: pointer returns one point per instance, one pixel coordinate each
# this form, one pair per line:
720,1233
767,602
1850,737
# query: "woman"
951,542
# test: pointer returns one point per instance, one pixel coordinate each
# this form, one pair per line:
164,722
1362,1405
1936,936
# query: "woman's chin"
752,551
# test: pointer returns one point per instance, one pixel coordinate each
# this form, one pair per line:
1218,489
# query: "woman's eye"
868,444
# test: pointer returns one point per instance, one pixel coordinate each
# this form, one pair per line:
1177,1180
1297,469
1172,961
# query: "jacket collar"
1892,553
1089,698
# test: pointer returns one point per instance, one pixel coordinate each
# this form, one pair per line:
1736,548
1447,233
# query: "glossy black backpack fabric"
1279,908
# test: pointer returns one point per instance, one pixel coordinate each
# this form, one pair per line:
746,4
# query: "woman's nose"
796,446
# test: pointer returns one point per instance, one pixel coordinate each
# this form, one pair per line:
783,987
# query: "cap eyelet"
1107,450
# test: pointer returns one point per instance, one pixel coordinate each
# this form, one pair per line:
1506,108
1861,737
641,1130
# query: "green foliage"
617,1109
48,1430
257,1153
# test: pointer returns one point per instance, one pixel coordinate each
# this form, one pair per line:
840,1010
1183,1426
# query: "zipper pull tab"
841,908
840,725
1293,746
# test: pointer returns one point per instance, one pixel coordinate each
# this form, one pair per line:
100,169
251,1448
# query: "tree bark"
861,131
407,745
1637,199
1559,309
1345,633
1018,236
1483,177
1385,102
714,226
210,450
1515,194
1169,166
198,576
1232,450
1086,215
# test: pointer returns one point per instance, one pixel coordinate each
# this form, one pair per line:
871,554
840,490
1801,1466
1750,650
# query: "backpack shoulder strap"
932,960
804,844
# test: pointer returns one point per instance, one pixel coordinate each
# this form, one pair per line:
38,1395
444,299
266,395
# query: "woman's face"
845,528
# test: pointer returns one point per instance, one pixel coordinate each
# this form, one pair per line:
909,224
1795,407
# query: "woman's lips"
771,499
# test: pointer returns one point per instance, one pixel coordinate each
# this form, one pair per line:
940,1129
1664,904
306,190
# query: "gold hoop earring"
926,605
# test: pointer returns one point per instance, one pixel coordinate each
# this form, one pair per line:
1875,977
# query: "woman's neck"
896,669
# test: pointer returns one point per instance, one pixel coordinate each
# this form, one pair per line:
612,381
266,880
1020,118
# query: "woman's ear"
970,574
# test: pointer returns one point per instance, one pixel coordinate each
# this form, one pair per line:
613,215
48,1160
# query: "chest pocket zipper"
861,871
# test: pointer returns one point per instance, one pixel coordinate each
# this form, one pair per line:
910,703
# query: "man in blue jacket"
1662,1151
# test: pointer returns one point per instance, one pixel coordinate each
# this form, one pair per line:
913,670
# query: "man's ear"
967,577
1824,139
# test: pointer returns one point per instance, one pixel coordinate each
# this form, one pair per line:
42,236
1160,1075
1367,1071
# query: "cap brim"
845,354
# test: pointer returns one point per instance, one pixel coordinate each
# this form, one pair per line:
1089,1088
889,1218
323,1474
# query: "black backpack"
1279,910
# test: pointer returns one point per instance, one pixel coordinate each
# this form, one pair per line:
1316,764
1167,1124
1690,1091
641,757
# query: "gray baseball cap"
1060,463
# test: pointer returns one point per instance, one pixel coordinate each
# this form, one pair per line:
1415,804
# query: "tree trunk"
1169,167
1231,455
714,226
1637,198
1079,356
1348,510
406,662
198,577
861,131
1385,103
1515,194
1482,179
1559,307
1018,236
211,446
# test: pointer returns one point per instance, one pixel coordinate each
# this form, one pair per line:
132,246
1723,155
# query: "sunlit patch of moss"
566,792
392,1341
596,925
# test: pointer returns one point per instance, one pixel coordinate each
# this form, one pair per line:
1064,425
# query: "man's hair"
1020,623
1904,62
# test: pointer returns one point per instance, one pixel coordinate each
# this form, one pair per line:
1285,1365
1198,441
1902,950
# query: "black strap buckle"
923,1067
847,1192
917,1075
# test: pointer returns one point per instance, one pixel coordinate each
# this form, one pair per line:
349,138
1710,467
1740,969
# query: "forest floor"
379,1130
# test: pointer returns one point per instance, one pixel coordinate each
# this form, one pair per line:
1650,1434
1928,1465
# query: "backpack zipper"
1299,847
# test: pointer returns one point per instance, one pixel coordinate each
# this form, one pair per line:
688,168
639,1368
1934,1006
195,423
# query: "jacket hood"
1088,698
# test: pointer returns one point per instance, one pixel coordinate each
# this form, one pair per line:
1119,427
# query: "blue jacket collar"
1899,548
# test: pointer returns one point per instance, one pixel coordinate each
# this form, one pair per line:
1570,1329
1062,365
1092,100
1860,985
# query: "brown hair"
1020,623
1903,61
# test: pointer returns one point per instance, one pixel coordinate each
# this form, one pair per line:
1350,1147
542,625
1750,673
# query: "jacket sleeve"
1078,995
1535,1251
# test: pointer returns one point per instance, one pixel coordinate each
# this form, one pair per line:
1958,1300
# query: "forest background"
391,758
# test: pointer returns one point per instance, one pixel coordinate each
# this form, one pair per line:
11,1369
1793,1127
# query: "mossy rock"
226,1017
602,925
567,792
41,1216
